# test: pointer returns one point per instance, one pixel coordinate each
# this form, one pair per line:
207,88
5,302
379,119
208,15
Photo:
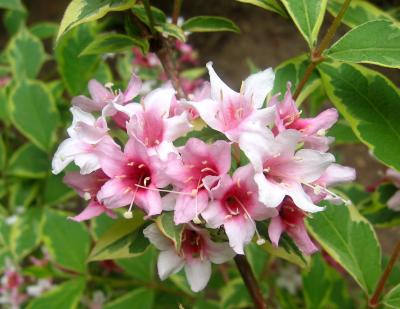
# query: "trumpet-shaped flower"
88,140
195,173
134,178
236,207
87,187
150,123
233,113
291,220
313,129
195,255
281,170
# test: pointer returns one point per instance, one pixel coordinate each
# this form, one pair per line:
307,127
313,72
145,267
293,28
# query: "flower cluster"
285,174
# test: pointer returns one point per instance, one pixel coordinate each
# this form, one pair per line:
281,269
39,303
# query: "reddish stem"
374,301
250,281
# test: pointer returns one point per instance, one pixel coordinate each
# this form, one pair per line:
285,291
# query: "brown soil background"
267,39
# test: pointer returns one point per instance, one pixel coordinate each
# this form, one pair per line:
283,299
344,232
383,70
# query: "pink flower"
146,61
335,174
394,201
233,113
312,129
104,99
88,140
281,170
197,171
134,178
291,221
236,206
87,187
195,255
150,122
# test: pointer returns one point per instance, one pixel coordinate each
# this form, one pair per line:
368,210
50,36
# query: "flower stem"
374,301
250,281
162,48
316,55
176,11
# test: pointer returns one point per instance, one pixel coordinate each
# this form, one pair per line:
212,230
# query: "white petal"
65,154
311,164
218,86
208,110
159,100
240,232
220,252
198,274
176,127
169,201
270,194
168,263
301,199
157,238
258,85
79,115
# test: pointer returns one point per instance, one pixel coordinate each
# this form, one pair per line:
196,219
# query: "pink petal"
214,214
168,263
149,201
134,86
394,202
176,127
336,174
198,273
98,92
93,209
323,121
270,194
114,193
218,87
185,208
275,230
159,100
90,183
257,86
208,110
86,104
301,238
240,232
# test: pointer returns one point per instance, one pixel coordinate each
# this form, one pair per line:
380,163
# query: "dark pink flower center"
236,201
137,175
290,214
193,244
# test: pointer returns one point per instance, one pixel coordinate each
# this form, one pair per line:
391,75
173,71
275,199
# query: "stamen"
189,179
131,163
317,189
208,169
238,183
204,162
162,190
121,176
321,132
267,169
146,180
239,113
128,214
87,196
141,165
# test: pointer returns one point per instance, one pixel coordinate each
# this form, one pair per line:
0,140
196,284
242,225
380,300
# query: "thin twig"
161,46
176,11
316,55
250,281
374,301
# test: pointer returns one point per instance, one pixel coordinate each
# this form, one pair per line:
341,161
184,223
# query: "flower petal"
269,193
93,209
240,231
219,90
98,92
198,273
220,252
275,230
187,207
257,86
168,263
394,202
154,235
134,86
300,236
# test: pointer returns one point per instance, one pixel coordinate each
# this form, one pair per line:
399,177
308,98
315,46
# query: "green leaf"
55,191
99,225
64,296
29,162
14,20
158,15
377,211
113,43
292,70
76,71
26,232
209,24
370,103
392,298
23,193
34,113
257,258
343,133
67,241
140,298
193,73
140,267
308,16
349,238
316,283
44,30
116,241
376,42
12,5
83,11
165,222
171,30
26,55
3,153
358,12
269,5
